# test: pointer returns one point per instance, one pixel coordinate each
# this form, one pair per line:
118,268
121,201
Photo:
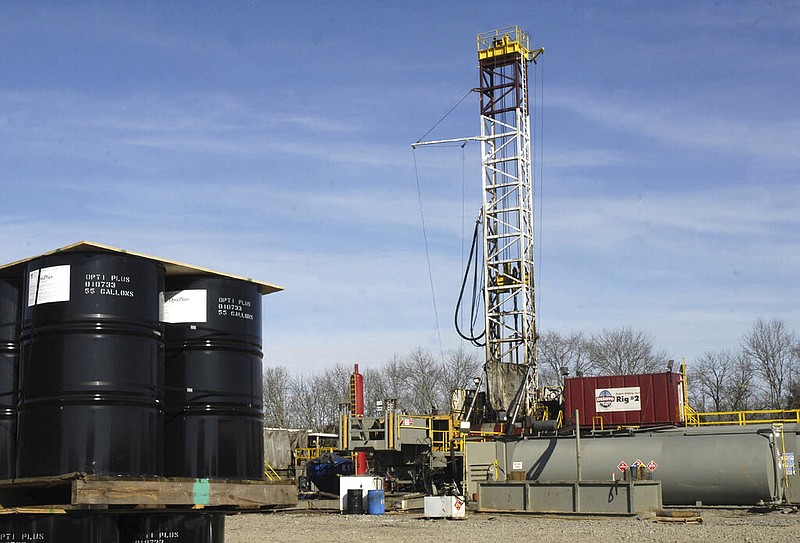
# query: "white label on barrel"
185,306
51,285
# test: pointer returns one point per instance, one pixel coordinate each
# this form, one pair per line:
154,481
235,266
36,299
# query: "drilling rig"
508,268
506,221
498,444
422,452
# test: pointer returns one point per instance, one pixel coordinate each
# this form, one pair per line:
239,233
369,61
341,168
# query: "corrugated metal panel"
649,399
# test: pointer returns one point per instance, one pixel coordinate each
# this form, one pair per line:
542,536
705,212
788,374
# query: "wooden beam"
96,491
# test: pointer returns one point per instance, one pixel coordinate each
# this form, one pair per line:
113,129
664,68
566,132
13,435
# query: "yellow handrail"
305,454
270,473
690,416
740,418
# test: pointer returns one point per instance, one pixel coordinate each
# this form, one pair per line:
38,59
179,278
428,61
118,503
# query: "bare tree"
276,397
307,410
772,349
333,388
793,402
391,382
424,375
458,370
373,390
743,388
556,351
624,351
722,381
708,381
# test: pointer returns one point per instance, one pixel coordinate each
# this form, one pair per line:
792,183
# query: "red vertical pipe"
357,393
357,409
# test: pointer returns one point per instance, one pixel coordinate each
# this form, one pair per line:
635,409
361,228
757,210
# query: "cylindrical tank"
716,466
357,410
375,502
9,365
174,528
327,470
59,528
213,378
91,369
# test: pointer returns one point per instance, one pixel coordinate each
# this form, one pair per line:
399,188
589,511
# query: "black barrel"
213,379
59,528
355,502
10,309
172,528
91,375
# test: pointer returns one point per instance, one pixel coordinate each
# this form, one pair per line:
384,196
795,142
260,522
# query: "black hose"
474,338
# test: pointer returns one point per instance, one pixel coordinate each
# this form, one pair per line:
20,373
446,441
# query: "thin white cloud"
730,212
193,123
561,158
775,141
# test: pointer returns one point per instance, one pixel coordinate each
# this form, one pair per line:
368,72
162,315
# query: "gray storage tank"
732,465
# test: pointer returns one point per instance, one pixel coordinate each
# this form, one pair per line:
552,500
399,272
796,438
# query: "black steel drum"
172,528
9,364
91,376
213,378
59,528
355,502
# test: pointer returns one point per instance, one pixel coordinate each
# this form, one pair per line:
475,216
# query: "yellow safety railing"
306,454
690,416
270,473
504,41
542,413
441,437
741,418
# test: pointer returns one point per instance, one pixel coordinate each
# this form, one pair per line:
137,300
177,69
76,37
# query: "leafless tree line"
618,351
762,373
419,381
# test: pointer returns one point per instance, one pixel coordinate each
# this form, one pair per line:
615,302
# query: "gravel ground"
731,525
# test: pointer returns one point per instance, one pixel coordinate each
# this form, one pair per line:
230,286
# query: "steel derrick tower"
508,237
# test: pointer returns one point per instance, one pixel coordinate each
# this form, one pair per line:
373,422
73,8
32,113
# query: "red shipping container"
649,399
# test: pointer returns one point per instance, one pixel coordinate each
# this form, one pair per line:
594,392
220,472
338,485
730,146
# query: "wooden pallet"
82,491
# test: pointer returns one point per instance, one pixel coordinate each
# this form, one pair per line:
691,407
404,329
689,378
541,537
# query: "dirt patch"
737,525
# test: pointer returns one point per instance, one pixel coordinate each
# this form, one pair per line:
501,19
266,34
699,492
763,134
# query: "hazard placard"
636,464
651,465
622,466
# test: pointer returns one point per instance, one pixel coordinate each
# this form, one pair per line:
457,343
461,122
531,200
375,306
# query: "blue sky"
273,141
